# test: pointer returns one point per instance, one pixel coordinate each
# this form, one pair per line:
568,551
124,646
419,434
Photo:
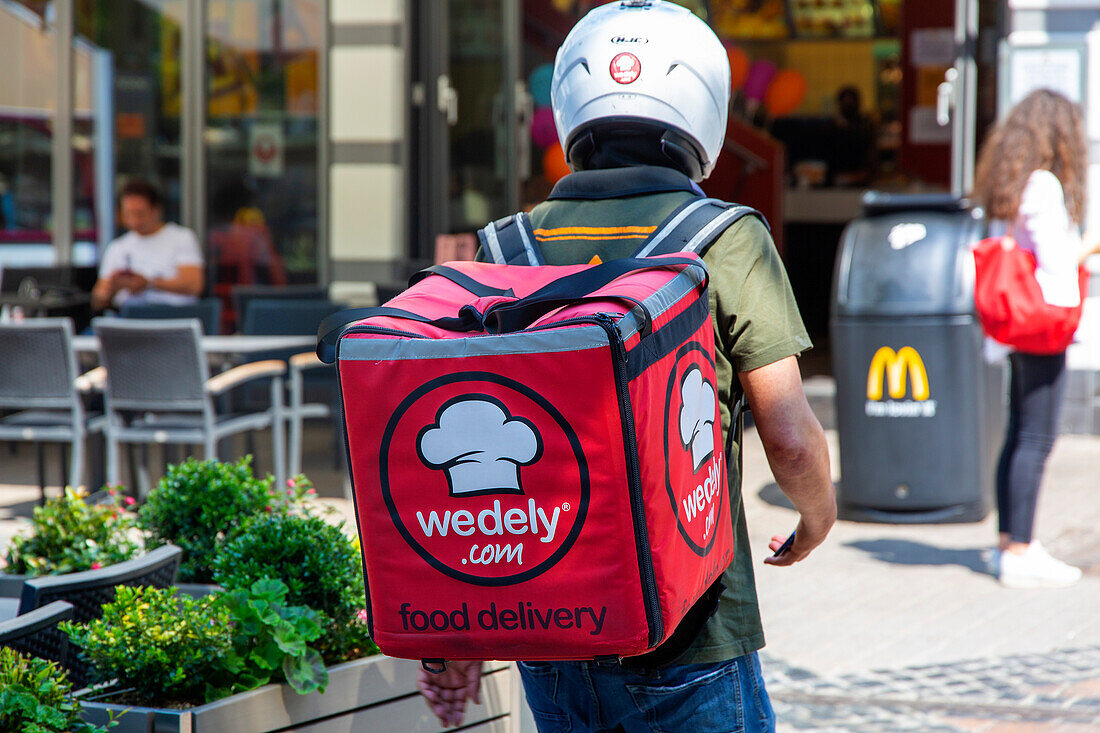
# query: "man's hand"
805,540
131,281
797,453
447,692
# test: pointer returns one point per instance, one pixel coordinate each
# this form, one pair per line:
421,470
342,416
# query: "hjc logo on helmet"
482,515
693,439
630,39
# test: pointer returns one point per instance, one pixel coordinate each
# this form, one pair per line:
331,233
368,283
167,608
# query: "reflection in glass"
130,126
261,143
26,121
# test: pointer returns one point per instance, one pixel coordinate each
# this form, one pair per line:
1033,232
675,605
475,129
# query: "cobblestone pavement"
1041,693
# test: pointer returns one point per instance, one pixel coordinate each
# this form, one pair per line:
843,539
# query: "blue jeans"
723,697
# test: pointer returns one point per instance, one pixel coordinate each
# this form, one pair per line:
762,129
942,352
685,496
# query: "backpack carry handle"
461,279
519,314
510,316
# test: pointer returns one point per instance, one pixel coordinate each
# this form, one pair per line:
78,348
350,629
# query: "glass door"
470,114
260,141
130,50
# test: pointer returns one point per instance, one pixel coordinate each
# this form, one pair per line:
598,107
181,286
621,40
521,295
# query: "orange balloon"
554,166
739,66
785,93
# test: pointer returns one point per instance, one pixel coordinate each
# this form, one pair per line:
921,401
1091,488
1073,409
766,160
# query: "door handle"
447,99
525,111
945,97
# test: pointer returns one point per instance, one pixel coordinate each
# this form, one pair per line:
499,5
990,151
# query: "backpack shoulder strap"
510,241
694,226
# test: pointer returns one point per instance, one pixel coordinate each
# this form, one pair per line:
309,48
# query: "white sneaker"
1035,569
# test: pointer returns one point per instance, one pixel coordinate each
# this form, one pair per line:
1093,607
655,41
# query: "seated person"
153,262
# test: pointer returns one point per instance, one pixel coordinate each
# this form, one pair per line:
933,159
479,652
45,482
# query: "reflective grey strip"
521,225
493,243
671,226
703,237
575,338
679,287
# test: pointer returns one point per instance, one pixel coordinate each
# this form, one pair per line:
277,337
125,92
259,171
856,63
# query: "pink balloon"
760,76
543,131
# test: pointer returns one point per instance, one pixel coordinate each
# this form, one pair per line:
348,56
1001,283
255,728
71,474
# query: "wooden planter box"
371,694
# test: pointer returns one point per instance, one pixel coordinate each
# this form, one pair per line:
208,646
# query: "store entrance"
888,95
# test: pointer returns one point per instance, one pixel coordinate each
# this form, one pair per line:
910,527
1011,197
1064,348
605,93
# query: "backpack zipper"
383,331
634,481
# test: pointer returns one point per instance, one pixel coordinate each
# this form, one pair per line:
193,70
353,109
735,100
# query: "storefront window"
127,116
26,121
261,143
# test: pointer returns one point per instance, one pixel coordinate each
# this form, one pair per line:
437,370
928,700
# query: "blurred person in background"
154,261
1031,180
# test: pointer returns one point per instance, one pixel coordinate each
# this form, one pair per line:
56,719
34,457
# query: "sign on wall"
266,149
1058,65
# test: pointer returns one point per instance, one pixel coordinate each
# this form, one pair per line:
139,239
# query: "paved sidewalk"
902,628
886,627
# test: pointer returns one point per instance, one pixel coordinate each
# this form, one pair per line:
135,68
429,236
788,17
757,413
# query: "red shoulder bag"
1010,303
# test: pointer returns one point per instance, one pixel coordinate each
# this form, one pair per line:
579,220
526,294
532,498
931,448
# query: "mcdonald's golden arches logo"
893,366
893,375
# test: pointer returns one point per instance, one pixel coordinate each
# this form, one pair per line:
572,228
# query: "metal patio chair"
159,390
207,310
284,317
38,386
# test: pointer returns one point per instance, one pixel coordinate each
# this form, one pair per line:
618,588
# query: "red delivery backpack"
1010,303
536,452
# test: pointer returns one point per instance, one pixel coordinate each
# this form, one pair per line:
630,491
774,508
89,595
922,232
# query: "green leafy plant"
158,646
68,535
269,638
320,565
35,697
198,503
165,650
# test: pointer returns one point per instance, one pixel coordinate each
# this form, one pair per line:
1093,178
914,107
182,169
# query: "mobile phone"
785,546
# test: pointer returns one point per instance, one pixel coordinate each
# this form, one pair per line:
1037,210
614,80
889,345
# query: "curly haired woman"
1031,176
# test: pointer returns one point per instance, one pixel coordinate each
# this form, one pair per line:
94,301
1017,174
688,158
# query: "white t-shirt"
158,255
1043,226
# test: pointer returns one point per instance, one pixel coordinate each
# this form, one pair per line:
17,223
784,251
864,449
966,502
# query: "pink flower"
290,492
311,491
268,509
362,615
130,501
96,566
290,483
111,492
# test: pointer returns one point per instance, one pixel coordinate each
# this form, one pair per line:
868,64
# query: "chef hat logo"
479,446
697,416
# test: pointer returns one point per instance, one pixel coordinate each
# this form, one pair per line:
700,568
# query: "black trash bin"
920,415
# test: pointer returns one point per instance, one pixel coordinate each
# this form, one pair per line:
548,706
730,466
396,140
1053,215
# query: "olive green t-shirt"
756,323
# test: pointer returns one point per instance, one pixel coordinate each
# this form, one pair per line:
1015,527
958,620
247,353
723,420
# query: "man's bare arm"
103,292
797,452
188,280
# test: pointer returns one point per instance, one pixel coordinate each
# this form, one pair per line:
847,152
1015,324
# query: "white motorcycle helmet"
644,69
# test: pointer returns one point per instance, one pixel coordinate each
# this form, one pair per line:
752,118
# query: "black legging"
1038,385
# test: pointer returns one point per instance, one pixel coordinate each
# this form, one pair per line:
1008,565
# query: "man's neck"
153,231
